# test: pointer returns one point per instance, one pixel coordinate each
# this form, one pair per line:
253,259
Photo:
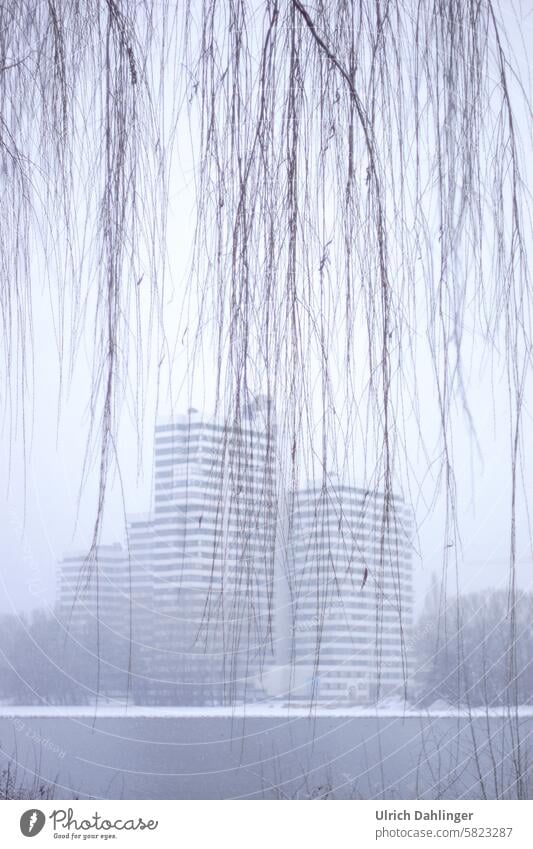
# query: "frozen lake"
211,754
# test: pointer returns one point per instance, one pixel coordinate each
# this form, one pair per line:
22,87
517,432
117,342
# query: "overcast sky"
46,514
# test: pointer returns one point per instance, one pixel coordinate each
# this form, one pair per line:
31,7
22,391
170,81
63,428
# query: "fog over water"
263,758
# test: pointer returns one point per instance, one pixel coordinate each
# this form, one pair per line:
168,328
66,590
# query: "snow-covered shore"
266,709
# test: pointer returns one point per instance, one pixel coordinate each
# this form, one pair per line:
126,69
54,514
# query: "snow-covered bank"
253,711
264,751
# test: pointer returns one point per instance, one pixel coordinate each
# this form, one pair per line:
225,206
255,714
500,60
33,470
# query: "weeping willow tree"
361,214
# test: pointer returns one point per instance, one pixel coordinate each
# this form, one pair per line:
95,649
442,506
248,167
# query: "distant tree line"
461,655
463,651
41,662
45,661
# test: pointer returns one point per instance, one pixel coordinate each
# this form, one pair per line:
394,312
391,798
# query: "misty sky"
44,514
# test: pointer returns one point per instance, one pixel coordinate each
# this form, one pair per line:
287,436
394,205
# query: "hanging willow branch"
360,203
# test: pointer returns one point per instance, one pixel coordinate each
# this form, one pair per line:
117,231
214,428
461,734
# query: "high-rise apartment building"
91,585
214,524
228,593
143,615
102,601
351,593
